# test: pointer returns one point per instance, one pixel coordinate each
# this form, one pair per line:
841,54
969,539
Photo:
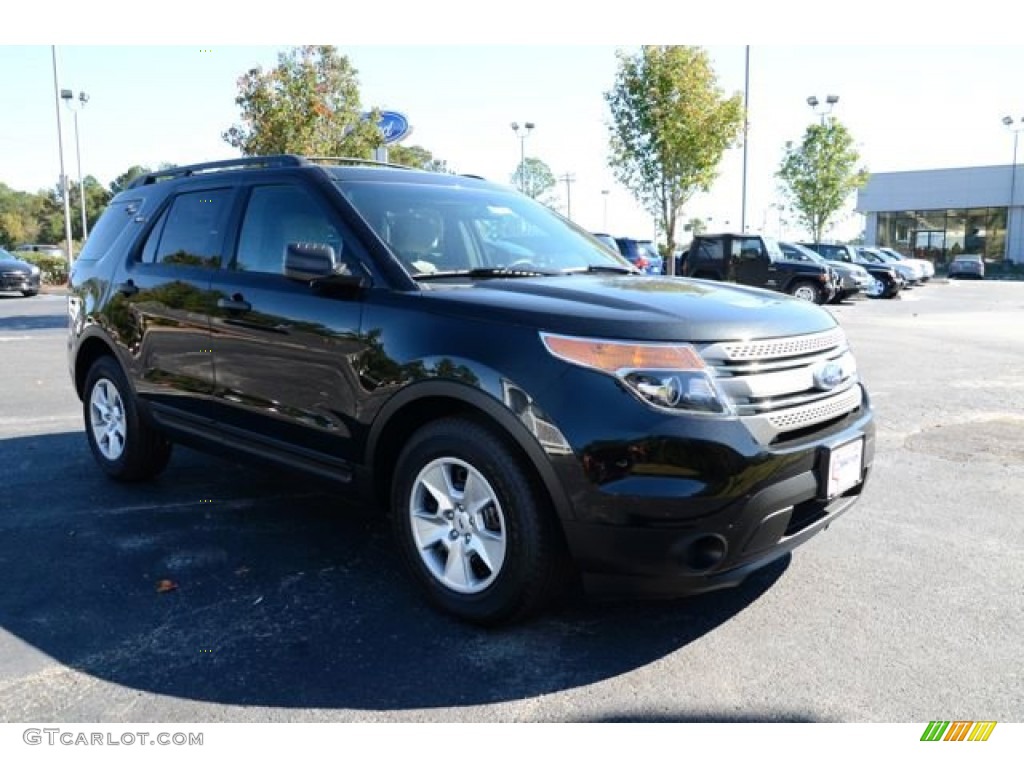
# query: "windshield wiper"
488,272
591,269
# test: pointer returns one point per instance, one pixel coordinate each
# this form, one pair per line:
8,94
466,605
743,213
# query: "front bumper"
18,281
665,530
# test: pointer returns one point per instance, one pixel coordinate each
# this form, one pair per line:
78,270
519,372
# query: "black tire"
29,294
892,289
137,451
807,290
517,512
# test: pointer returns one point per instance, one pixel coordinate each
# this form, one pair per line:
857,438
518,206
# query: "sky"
909,107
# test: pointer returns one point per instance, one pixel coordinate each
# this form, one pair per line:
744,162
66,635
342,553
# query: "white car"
926,266
912,274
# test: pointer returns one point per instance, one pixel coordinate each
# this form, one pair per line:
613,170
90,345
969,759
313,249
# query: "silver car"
927,268
968,265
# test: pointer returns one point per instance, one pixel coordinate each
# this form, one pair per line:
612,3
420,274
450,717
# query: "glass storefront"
941,236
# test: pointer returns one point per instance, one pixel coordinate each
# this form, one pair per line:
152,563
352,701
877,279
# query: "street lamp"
522,134
1016,127
830,102
604,194
83,99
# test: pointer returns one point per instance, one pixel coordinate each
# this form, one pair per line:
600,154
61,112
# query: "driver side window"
275,217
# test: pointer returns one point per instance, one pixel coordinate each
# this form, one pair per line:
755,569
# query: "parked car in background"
607,240
642,254
49,250
757,260
968,265
911,272
887,282
852,277
18,275
927,268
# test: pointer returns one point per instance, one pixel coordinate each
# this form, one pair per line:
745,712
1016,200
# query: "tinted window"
192,231
112,223
710,249
747,248
276,216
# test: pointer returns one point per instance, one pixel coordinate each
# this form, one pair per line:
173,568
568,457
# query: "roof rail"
358,161
269,161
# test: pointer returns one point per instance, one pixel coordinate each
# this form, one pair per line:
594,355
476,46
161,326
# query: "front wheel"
30,293
808,292
474,529
124,446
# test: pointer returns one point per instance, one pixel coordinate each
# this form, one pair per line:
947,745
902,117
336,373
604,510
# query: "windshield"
445,228
772,246
800,253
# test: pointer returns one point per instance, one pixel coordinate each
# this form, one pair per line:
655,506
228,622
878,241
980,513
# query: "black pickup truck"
757,260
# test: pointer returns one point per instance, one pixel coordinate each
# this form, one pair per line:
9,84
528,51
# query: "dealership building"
942,213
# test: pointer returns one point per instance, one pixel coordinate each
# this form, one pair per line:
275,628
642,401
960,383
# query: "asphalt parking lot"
290,606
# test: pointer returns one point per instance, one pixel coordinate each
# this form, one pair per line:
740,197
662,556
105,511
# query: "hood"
632,307
7,262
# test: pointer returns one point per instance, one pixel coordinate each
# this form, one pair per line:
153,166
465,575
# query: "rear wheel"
474,530
125,446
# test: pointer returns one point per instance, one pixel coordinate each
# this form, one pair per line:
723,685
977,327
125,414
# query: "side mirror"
308,261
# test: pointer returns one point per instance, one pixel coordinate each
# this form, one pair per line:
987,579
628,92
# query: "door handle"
235,304
128,288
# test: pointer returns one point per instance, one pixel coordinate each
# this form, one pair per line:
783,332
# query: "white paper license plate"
844,467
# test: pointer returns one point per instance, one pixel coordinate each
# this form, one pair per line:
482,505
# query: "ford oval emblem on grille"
829,376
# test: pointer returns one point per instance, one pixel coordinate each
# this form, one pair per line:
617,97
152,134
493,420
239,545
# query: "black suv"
517,396
757,260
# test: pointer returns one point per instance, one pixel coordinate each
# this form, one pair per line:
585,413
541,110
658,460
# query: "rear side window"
191,231
112,224
710,250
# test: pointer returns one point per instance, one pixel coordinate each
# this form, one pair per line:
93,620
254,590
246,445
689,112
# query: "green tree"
820,174
121,182
670,125
535,179
414,156
19,216
695,226
308,104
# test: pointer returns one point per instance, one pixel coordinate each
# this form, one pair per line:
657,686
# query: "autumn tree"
534,178
820,174
670,125
308,104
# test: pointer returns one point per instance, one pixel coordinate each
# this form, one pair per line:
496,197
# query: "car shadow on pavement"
33,322
223,583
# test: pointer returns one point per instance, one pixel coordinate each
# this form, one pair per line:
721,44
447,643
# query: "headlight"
35,270
672,376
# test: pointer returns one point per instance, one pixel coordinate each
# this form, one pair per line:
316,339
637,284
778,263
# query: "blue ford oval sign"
394,125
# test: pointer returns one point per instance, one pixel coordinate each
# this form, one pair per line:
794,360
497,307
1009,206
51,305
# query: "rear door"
162,300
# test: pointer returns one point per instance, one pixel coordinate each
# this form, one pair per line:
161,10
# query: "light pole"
604,194
60,150
1016,127
746,127
830,102
83,99
522,134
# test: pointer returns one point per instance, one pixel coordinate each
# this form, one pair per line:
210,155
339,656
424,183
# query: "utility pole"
568,178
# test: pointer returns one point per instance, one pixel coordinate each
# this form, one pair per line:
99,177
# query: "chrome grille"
777,385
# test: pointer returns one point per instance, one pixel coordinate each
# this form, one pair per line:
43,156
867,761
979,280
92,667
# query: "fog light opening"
705,553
